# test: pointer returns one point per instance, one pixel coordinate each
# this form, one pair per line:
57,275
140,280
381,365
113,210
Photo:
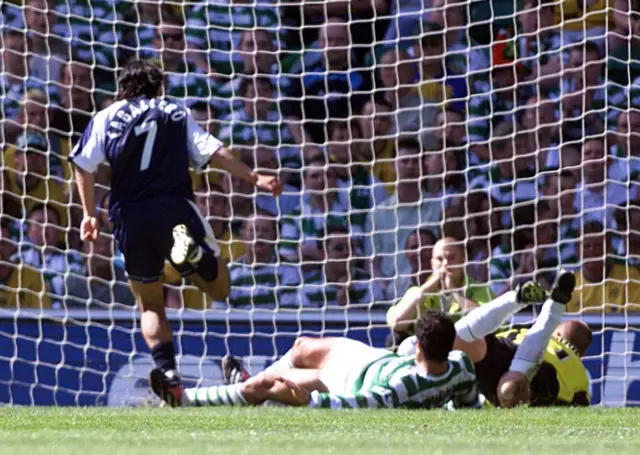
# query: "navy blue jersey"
148,144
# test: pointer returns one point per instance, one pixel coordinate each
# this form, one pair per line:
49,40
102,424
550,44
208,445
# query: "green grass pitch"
104,431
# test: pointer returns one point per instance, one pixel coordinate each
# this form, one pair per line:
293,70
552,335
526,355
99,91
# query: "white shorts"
346,362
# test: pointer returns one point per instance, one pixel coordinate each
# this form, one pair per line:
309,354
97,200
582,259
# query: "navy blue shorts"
144,233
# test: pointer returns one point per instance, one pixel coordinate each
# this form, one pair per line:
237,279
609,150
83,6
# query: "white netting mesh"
511,126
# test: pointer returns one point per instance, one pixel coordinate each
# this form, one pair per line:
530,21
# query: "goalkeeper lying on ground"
508,365
342,373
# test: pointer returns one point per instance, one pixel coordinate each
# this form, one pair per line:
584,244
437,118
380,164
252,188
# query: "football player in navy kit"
149,141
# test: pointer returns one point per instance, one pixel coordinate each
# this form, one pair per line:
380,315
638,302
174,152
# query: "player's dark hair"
436,334
139,78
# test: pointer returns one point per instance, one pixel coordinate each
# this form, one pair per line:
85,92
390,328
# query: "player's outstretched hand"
269,183
298,392
89,228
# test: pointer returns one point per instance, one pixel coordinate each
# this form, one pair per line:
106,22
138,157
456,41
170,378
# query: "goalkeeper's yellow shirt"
573,381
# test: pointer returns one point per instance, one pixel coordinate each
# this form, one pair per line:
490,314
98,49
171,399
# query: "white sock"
531,350
283,363
220,395
488,318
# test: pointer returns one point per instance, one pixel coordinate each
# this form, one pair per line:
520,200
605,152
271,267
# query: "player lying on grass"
540,366
148,142
342,373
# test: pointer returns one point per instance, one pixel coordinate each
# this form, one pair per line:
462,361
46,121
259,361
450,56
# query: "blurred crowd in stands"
428,148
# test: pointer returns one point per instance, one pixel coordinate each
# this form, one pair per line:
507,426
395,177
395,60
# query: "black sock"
207,267
164,355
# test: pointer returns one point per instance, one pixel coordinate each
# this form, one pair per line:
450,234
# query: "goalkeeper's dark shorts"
500,352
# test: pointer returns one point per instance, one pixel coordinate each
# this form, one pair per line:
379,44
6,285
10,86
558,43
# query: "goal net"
509,128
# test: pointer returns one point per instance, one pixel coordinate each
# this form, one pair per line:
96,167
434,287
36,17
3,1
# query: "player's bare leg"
311,353
306,353
217,289
255,391
153,320
511,389
157,332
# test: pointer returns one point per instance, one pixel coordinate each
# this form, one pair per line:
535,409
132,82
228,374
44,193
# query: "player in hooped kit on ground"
339,373
148,141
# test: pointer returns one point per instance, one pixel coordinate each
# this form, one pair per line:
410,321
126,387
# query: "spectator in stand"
92,39
21,286
398,74
258,58
48,51
623,64
439,81
14,82
260,122
626,149
584,20
215,49
600,194
465,54
602,285
625,242
494,101
366,19
338,283
140,22
443,178
450,132
42,250
98,283
539,45
308,107
512,178
530,253
72,116
582,95
483,230
391,222
353,172
447,289
541,129
379,148
258,279
185,83
29,182
34,117
559,192
324,205
418,248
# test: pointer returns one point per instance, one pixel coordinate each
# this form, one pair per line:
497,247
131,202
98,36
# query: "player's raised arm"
206,149
87,156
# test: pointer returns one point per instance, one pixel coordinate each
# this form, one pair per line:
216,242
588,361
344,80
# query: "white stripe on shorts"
209,238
